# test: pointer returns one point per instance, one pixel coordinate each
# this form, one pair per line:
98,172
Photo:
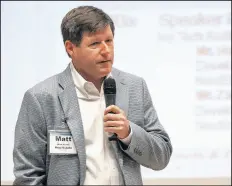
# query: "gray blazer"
53,104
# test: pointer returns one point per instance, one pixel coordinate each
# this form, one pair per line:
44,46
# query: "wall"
181,49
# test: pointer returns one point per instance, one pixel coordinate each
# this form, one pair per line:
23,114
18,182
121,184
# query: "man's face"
94,57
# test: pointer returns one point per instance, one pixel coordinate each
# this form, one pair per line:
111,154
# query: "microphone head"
109,86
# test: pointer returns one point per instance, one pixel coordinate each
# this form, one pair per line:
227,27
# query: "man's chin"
105,71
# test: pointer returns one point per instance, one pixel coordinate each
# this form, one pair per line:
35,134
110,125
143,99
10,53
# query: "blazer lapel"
70,105
122,101
121,91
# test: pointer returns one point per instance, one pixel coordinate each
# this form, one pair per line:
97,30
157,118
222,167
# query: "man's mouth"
104,61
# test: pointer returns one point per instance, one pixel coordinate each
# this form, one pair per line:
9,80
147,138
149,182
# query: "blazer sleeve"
150,145
30,143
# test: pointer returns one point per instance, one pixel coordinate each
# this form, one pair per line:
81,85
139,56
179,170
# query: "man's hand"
117,122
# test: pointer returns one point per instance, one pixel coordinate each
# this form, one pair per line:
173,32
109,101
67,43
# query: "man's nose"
105,48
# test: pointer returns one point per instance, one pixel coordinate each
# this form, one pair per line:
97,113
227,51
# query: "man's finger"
113,124
112,108
112,129
113,117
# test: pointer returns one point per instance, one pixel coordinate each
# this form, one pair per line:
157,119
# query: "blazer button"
135,151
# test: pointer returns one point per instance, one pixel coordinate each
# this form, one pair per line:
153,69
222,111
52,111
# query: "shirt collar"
80,82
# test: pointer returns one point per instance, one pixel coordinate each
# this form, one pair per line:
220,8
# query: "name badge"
61,142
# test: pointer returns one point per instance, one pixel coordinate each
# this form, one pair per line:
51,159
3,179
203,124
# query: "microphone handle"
114,137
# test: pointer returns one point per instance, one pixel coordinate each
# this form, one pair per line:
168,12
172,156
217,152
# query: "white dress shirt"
101,165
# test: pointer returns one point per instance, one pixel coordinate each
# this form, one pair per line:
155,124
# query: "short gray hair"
84,19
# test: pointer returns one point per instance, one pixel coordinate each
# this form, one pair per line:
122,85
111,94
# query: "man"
61,135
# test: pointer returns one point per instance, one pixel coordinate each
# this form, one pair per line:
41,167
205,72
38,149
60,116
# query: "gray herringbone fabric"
53,104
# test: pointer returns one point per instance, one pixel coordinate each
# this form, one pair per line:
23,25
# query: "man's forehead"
101,31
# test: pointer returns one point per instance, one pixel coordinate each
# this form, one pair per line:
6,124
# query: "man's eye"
109,40
95,43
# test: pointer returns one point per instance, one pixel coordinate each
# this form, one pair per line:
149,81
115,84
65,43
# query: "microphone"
109,87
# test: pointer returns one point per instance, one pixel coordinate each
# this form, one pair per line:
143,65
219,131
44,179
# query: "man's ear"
69,46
